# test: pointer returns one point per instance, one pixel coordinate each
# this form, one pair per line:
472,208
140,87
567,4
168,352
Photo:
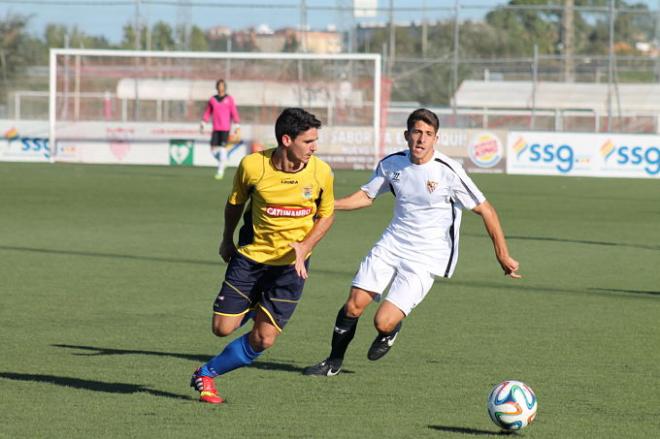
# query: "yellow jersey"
283,205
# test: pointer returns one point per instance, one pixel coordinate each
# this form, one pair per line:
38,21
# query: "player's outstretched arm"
494,229
305,247
233,214
356,200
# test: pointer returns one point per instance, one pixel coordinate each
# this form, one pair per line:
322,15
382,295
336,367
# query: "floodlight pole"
425,31
657,44
377,107
137,25
52,141
392,41
610,68
535,79
455,61
303,25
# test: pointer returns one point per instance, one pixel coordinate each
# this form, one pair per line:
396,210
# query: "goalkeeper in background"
222,109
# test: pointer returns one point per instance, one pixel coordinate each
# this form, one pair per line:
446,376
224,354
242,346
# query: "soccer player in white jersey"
419,244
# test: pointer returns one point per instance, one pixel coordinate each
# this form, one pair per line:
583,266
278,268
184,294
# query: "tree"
198,41
291,43
162,37
59,36
13,61
518,30
128,37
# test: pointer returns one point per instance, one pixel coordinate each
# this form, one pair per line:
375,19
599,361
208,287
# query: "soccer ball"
512,405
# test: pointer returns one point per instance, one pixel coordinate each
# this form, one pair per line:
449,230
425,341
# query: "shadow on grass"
210,263
472,431
572,241
50,251
521,285
96,386
199,358
615,290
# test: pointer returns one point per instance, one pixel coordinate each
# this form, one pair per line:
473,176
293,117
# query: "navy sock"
342,335
236,354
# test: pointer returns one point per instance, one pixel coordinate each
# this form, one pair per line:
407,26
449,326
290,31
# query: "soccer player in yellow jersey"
291,207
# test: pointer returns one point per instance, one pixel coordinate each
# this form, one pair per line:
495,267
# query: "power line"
337,8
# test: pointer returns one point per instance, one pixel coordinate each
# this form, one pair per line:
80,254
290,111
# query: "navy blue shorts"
275,289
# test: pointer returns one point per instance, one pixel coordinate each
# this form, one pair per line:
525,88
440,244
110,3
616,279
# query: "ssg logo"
33,146
561,156
646,157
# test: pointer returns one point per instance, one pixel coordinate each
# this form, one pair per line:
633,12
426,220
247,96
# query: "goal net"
109,106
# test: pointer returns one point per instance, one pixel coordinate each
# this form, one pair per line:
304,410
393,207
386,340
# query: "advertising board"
578,154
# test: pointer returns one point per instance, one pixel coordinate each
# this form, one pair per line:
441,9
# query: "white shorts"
409,281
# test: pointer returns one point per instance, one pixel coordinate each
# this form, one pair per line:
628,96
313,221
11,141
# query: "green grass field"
108,275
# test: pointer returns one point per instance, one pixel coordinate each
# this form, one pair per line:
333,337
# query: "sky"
107,17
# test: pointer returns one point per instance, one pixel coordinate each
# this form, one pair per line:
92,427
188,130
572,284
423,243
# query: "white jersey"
427,210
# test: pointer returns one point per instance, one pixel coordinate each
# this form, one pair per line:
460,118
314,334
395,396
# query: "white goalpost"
144,107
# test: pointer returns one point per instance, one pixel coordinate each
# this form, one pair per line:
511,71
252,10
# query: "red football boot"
206,388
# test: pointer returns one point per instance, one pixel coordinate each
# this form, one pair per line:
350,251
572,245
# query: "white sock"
222,160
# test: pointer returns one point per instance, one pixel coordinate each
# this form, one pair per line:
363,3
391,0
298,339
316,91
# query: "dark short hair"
217,83
424,115
293,121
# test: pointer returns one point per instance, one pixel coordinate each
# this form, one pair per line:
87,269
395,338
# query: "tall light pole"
425,30
137,25
657,42
455,61
136,104
610,67
392,43
568,35
303,25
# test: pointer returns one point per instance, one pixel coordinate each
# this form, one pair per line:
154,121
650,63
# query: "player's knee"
221,328
385,324
261,342
353,309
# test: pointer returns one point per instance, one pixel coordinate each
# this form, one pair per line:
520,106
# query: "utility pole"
568,36
184,18
535,81
455,61
610,67
425,31
392,44
136,106
137,25
303,25
657,42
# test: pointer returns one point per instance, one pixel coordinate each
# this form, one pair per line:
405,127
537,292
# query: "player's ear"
406,134
286,140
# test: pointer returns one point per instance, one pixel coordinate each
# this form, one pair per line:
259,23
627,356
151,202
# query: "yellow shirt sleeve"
327,205
240,189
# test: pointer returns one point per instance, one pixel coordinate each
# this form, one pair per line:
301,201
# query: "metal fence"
426,56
